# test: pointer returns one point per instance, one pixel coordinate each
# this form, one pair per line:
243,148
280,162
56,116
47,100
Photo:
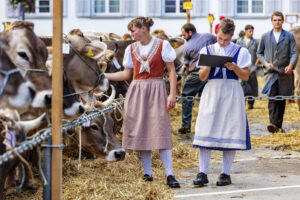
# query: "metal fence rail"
262,98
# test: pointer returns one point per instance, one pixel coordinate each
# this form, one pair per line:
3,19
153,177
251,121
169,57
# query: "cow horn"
103,66
32,124
111,98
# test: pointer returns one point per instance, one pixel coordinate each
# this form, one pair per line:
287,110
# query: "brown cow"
82,70
16,92
28,52
12,132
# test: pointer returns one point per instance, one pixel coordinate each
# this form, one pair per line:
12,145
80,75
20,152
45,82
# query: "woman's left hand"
171,102
231,66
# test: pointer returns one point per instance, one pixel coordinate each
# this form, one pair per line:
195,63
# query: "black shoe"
272,128
201,179
184,130
223,180
250,106
172,182
146,177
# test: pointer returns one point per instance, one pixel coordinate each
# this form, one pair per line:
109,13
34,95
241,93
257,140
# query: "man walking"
192,85
278,53
250,87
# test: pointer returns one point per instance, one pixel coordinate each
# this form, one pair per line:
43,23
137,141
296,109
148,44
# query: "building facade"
114,15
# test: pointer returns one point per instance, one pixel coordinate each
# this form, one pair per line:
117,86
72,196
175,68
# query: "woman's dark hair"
139,22
227,26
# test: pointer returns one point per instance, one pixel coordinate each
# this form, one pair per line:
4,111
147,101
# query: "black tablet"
213,60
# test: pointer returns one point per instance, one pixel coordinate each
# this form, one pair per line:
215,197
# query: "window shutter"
154,8
83,8
295,6
200,8
129,8
226,8
11,11
272,6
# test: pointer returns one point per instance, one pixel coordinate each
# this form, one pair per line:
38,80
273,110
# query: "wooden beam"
57,91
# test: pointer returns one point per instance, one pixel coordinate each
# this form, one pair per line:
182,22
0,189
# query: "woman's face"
138,33
223,39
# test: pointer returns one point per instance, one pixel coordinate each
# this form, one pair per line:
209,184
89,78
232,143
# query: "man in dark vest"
278,53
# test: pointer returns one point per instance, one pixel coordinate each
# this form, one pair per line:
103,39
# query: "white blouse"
244,57
168,53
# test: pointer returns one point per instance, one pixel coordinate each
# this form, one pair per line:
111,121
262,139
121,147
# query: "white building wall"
172,26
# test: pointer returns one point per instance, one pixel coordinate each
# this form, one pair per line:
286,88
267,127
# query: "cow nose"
32,92
81,109
48,99
120,155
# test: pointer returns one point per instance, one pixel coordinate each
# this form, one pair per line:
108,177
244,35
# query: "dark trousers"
192,86
276,108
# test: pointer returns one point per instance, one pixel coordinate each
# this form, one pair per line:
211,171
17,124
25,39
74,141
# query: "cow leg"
2,181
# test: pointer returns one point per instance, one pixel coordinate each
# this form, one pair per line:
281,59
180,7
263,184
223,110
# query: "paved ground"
260,173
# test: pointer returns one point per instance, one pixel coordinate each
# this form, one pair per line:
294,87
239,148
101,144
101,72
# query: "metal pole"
57,87
188,16
47,169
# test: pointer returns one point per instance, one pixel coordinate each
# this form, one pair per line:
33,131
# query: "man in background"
250,87
192,85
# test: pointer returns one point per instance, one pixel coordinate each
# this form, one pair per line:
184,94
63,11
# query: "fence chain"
29,144
261,98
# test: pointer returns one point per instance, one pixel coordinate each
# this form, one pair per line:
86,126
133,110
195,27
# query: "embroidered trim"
154,48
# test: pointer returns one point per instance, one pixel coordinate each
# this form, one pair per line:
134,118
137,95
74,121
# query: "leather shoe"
172,182
184,130
201,179
272,128
147,177
223,180
250,106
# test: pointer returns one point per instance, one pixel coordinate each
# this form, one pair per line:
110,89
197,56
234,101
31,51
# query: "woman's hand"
231,66
171,102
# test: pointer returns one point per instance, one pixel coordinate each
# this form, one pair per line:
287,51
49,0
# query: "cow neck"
83,60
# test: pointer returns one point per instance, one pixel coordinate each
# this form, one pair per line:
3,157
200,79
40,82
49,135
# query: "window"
106,7
172,7
43,7
252,7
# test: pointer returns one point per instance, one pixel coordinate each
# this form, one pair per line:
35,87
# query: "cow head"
82,69
15,91
99,139
28,52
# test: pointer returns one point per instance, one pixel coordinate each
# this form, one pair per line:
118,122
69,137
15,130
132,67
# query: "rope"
40,166
6,76
104,130
79,145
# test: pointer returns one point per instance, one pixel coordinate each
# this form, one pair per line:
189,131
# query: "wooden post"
57,89
188,16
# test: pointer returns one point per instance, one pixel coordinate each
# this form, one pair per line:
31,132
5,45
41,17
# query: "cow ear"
177,42
95,49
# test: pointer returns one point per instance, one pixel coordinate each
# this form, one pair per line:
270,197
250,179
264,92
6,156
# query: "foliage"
27,5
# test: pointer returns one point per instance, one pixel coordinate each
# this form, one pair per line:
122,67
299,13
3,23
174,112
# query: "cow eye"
23,55
94,127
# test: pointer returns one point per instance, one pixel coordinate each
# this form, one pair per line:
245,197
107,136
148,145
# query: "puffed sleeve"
168,54
244,58
202,51
127,61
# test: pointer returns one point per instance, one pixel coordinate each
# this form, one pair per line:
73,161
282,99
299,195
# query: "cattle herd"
25,91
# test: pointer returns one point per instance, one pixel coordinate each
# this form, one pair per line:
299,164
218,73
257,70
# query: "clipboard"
213,60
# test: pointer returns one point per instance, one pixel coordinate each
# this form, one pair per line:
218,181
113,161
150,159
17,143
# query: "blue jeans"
192,86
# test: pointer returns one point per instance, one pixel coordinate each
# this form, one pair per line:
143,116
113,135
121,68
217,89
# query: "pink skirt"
146,118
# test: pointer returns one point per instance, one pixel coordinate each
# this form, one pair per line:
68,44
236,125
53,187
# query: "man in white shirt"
278,53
